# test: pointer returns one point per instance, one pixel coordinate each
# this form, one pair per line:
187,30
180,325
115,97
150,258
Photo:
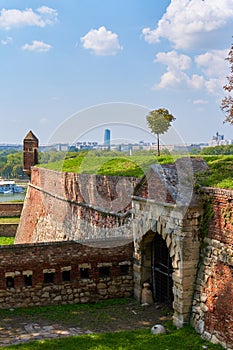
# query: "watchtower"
30,152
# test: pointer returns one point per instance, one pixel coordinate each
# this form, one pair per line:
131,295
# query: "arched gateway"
157,267
165,225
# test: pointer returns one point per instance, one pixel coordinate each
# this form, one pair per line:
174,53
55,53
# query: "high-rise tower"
107,135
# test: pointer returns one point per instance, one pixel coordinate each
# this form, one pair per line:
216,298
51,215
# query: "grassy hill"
220,172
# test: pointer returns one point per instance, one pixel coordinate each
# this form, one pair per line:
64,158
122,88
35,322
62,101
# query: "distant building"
107,136
89,145
217,140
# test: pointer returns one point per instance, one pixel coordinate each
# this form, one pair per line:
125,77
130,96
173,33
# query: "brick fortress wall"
9,210
213,300
69,206
63,273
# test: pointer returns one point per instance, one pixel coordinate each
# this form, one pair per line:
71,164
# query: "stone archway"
157,267
161,269
179,232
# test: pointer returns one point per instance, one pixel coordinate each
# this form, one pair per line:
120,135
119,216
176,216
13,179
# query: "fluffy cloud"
213,63
211,71
7,40
37,46
176,64
101,41
190,23
174,60
19,18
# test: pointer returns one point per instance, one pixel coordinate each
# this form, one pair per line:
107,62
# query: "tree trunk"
158,148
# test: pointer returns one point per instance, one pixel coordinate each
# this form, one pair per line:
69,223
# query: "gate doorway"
161,265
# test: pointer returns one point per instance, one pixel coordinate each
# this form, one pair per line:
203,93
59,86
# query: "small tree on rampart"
159,121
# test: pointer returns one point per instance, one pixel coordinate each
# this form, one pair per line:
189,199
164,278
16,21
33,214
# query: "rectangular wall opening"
84,273
104,271
66,276
10,283
48,277
28,280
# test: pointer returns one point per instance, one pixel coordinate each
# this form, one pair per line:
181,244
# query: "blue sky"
62,58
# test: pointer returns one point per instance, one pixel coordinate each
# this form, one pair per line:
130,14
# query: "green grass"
6,240
9,220
61,313
115,164
182,339
219,175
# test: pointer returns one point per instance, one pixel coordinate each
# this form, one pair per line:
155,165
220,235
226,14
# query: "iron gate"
161,271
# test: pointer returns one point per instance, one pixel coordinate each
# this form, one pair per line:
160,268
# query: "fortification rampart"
69,206
85,208
10,209
213,300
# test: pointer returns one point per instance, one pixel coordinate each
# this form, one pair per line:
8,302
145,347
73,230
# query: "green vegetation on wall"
121,164
117,163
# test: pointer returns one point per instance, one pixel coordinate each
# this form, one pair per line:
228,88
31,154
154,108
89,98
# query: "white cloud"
7,40
37,46
48,14
196,81
176,65
174,60
214,68
44,121
190,23
101,41
213,63
20,18
211,70
200,102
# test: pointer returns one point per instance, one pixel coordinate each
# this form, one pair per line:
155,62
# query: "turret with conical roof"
30,152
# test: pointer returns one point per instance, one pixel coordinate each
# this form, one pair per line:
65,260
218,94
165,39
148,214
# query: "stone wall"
213,300
69,206
8,230
10,209
180,231
63,273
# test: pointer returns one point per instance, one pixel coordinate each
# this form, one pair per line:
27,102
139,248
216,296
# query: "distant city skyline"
64,58
215,140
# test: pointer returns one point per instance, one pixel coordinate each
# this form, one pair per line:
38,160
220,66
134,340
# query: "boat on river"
9,187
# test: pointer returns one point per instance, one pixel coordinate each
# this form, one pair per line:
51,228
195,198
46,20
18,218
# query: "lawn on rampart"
117,164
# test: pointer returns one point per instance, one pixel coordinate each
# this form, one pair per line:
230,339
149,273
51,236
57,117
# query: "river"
12,197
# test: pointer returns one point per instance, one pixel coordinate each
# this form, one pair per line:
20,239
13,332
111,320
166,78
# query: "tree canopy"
159,121
227,102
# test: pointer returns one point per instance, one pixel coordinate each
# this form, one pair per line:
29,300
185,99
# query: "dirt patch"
106,318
